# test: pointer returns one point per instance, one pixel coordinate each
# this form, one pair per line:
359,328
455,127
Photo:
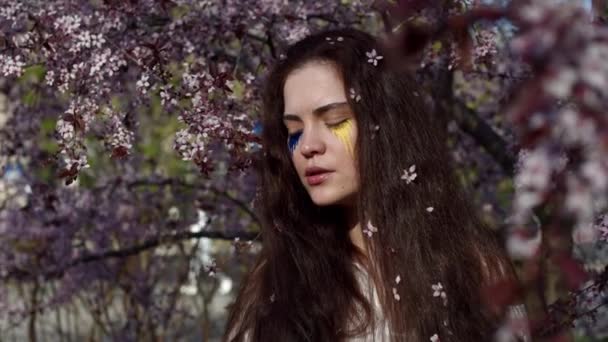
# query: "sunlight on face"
322,133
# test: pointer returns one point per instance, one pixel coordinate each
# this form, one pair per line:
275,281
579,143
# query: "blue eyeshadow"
293,140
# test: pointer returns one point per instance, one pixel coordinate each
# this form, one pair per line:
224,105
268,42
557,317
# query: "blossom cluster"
11,66
188,144
438,291
370,229
580,82
119,137
409,174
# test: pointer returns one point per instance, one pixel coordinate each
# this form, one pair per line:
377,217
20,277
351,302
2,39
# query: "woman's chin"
324,203
325,200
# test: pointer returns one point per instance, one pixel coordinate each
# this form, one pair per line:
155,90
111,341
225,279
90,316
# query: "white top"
381,334
515,325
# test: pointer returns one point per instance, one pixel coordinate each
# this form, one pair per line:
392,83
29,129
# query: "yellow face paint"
343,131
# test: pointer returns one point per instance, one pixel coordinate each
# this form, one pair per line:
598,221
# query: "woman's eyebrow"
319,111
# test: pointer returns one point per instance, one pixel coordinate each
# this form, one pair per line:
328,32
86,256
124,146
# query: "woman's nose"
311,143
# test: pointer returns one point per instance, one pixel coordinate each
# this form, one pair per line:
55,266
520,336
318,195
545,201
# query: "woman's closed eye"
294,138
294,134
337,124
332,125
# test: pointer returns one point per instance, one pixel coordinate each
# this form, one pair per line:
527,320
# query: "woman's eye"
337,124
294,134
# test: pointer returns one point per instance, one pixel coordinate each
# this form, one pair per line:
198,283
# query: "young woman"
367,234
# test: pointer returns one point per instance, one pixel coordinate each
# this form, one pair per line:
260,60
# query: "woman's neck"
354,229
356,237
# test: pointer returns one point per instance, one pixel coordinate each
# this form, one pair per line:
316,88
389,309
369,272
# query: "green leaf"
505,189
238,89
150,150
33,74
85,179
45,174
31,98
117,103
178,12
437,45
47,126
49,145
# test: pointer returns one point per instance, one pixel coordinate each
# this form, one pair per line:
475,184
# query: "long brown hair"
303,286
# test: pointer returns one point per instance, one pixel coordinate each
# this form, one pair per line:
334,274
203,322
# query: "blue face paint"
292,141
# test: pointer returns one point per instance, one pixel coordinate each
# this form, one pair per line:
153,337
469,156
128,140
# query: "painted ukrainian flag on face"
342,131
293,140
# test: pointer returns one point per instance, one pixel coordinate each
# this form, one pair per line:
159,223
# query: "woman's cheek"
344,134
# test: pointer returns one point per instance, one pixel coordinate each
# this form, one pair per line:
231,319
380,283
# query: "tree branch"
485,136
179,183
150,244
565,312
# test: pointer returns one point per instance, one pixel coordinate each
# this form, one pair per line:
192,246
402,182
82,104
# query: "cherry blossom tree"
128,130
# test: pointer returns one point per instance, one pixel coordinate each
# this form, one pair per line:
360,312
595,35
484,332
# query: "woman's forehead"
312,86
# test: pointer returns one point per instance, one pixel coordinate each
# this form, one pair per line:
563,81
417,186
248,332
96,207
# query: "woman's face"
322,133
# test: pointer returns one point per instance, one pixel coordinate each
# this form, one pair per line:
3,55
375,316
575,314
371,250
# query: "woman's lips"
318,178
